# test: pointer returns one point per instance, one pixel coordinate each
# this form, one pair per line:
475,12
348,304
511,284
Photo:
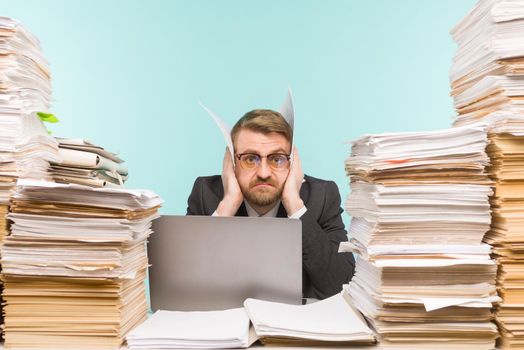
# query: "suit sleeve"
327,269
195,205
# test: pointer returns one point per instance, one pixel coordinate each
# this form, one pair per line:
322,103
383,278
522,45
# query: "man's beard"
262,197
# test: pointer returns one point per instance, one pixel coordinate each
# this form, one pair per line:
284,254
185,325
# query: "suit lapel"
281,213
242,211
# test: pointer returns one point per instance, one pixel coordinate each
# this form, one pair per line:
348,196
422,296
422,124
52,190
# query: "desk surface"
260,346
257,346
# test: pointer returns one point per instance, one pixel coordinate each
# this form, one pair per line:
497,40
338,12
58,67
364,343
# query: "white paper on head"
286,110
226,131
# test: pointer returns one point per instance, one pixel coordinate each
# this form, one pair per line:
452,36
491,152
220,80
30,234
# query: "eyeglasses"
277,161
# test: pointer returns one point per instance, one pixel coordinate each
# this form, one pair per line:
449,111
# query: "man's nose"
263,170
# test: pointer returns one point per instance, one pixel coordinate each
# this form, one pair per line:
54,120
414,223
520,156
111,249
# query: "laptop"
200,263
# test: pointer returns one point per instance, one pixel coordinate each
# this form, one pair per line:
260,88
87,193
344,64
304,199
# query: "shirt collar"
272,213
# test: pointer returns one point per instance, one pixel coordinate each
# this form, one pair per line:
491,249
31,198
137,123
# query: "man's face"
261,186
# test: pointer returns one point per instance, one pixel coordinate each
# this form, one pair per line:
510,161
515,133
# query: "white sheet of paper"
431,262
329,319
192,329
288,112
226,131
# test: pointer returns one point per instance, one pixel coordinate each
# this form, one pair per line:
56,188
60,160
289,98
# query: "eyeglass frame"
288,157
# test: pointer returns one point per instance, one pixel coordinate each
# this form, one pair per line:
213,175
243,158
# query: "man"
265,182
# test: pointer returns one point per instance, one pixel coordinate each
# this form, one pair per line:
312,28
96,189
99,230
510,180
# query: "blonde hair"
264,121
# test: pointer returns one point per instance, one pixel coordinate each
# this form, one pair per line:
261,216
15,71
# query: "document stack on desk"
87,164
220,329
489,42
25,88
487,75
420,208
496,100
329,322
75,264
507,234
487,79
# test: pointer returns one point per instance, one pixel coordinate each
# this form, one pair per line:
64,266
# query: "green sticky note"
47,117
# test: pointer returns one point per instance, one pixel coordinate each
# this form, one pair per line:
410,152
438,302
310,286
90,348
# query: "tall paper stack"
420,208
74,265
487,79
25,88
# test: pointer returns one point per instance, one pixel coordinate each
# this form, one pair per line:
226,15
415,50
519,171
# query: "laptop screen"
215,263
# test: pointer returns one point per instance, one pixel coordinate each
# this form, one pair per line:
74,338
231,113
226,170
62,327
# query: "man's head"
257,135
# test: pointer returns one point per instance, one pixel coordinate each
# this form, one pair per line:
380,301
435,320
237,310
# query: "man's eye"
251,159
279,160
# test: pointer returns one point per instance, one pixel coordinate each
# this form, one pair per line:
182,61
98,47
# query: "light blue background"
128,75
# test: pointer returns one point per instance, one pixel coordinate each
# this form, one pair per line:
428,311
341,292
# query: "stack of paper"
496,100
490,42
192,330
487,79
488,67
328,322
420,207
507,233
25,88
52,312
419,188
74,264
444,156
87,164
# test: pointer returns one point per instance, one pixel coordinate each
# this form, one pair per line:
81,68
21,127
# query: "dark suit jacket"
324,269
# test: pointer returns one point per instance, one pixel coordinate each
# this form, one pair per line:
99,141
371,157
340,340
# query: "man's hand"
233,197
291,192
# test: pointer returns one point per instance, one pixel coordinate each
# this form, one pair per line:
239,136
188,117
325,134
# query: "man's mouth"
262,185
